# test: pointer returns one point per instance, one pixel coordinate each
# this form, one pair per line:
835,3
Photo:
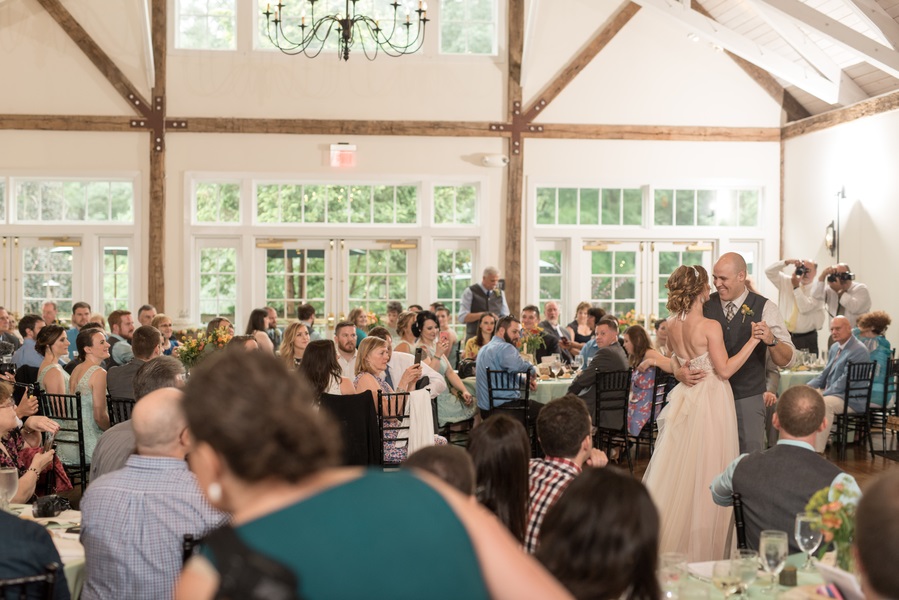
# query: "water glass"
9,484
773,550
672,572
726,577
749,568
808,536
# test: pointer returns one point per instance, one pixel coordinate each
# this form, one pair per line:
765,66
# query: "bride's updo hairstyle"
684,285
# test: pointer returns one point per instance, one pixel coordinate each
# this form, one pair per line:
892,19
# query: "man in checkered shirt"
134,519
564,431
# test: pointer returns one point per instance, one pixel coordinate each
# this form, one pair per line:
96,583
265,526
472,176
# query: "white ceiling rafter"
793,73
883,25
850,92
883,57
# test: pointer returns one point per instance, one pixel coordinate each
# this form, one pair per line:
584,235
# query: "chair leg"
870,434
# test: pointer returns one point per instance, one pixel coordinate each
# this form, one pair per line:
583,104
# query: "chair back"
508,381
859,381
41,586
393,410
355,414
613,390
119,409
25,375
65,409
739,522
892,385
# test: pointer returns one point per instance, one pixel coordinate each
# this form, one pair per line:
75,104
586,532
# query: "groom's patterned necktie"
730,310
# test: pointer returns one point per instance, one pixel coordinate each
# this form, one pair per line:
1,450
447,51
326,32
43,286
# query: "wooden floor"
858,461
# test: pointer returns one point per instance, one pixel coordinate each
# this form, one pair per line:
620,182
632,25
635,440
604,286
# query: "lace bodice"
701,363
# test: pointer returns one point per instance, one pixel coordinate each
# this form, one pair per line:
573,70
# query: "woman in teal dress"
339,532
450,407
870,332
52,343
89,378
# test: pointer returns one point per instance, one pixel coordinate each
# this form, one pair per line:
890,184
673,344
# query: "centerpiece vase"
845,559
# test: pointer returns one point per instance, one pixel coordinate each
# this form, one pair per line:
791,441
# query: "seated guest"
6,334
89,379
26,355
294,343
14,441
257,326
500,450
455,405
451,464
32,551
81,316
372,361
359,318
345,344
552,326
877,538
501,354
271,326
581,330
97,320
661,342
530,316
117,443
248,343
218,323
406,338
146,314
306,315
643,359
275,502
486,325
163,323
415,308
563,428
49,312
133,520
52,343
870,330
594,316
777,483
601,538
394,309
399,362
831,382
147,344
121,328
322,371
609,357
446,330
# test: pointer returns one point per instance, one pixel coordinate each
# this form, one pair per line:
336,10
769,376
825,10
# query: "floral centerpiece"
837,521
628,320
197,344
531,340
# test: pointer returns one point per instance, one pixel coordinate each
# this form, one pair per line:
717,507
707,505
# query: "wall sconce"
830,238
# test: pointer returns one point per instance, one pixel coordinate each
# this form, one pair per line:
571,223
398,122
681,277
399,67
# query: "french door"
334,275
34,269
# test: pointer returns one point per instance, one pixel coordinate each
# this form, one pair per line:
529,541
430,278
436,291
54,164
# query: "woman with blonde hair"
293,344
163,323
698,436
404,325
359,318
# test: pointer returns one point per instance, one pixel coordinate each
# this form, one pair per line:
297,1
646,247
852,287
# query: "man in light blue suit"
832,380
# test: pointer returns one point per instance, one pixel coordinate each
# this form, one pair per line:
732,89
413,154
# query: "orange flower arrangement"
836,507
197,345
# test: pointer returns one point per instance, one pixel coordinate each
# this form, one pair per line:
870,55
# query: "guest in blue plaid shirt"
134,519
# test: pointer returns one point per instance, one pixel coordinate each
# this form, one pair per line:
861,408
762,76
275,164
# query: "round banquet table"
547,389
790,379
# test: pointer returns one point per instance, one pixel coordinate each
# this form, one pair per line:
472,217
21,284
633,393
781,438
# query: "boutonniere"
747,312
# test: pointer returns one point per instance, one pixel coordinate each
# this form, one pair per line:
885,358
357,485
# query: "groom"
743,314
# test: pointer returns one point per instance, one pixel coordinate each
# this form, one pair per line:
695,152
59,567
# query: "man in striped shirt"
564,430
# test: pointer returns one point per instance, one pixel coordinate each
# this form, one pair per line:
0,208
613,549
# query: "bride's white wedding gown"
697,440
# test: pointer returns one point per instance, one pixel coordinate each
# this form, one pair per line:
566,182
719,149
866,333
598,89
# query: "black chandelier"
309,35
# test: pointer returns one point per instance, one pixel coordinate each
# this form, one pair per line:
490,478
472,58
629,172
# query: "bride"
698,428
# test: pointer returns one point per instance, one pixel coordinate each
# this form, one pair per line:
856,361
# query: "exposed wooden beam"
796,74
515,169
867,108
660,133
66,123
884,58
96,55
333,126
600,40
156,262
884,26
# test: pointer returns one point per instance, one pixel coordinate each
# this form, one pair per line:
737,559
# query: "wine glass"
556,367
773,553
749,568
9,483
726,577
578,362
808,536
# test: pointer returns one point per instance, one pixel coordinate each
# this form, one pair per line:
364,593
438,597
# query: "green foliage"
664,207
611,207
633,206
468,27
78,201
568,206
207,24
546,206
589,206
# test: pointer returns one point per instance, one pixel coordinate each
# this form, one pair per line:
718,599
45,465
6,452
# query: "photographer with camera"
841,294
802,312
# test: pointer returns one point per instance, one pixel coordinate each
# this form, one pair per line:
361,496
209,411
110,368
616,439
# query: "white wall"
860,156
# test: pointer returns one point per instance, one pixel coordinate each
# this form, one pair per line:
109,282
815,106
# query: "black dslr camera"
847,276
801,269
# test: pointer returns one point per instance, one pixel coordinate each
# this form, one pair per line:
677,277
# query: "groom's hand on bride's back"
687,376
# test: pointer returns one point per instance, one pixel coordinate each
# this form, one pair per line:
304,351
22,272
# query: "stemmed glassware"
9,483
808,536
749,568
556,367
578,362
726,577
773,550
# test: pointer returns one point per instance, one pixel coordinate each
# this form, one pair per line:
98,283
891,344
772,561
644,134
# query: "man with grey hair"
117,443
133,521
480,298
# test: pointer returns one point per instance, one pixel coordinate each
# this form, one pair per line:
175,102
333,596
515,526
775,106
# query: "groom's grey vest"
777,484
480,302
750,379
